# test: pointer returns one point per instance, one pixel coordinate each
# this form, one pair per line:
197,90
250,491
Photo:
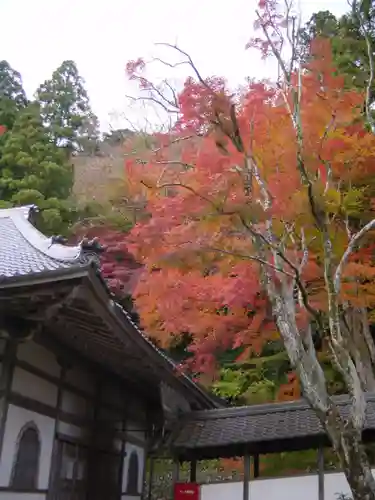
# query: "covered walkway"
251,431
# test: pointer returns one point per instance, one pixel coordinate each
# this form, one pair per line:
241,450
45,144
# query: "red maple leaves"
202,273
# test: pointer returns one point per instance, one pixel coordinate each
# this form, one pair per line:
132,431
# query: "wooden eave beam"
166,371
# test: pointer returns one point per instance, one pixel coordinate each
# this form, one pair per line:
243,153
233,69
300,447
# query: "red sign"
186,491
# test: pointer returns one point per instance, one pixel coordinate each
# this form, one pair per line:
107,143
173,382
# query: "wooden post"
94,430
193,471
124,422
256,466
175,475
6,377
150,477
320,473
246,477
54,469
176,471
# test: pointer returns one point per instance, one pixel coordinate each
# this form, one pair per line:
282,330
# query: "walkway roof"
257,429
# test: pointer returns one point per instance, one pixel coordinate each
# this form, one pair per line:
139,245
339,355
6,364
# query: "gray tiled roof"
25,251
256,424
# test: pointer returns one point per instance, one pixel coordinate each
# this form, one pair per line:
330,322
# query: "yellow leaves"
339,240
353,202
327,201
332,199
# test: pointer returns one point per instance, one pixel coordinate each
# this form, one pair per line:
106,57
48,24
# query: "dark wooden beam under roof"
78,327
256,430
95,326
122,323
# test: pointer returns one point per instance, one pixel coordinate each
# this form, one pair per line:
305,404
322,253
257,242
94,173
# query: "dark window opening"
26,465
133,472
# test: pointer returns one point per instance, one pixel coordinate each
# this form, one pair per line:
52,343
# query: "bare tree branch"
349,250
186,166
174,141
189,61
153,99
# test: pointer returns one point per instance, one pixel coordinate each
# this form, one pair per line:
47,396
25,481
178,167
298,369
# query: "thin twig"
152,99
186,166
174,141
252,258
192,190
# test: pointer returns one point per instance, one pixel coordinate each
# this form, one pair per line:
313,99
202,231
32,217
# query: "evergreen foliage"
66,110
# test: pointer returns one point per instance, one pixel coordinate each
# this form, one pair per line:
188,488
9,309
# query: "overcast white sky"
101,36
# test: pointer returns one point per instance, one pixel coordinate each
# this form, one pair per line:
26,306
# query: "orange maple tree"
261,225
200,275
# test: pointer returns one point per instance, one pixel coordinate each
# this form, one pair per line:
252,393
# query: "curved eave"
46,276
20,217
203,399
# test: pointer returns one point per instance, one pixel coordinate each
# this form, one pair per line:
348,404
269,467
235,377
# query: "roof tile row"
256,424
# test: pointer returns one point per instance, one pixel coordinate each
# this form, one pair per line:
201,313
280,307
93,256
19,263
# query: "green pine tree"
33,170
12,95
66,110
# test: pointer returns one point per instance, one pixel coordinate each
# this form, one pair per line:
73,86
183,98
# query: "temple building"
84,395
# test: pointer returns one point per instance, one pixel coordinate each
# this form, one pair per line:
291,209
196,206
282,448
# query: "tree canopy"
36,141
12,94
34,171
66,110
352,38
194,245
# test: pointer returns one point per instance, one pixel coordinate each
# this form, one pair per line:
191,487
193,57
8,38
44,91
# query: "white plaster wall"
34,387
141,462
288,488
72,430
72,403
136,430
39,357
17,419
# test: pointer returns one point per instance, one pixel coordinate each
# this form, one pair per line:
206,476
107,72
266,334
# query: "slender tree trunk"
359,476
349,448
345,438
355,329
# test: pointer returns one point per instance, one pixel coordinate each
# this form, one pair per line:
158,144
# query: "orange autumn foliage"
199,274
291,390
